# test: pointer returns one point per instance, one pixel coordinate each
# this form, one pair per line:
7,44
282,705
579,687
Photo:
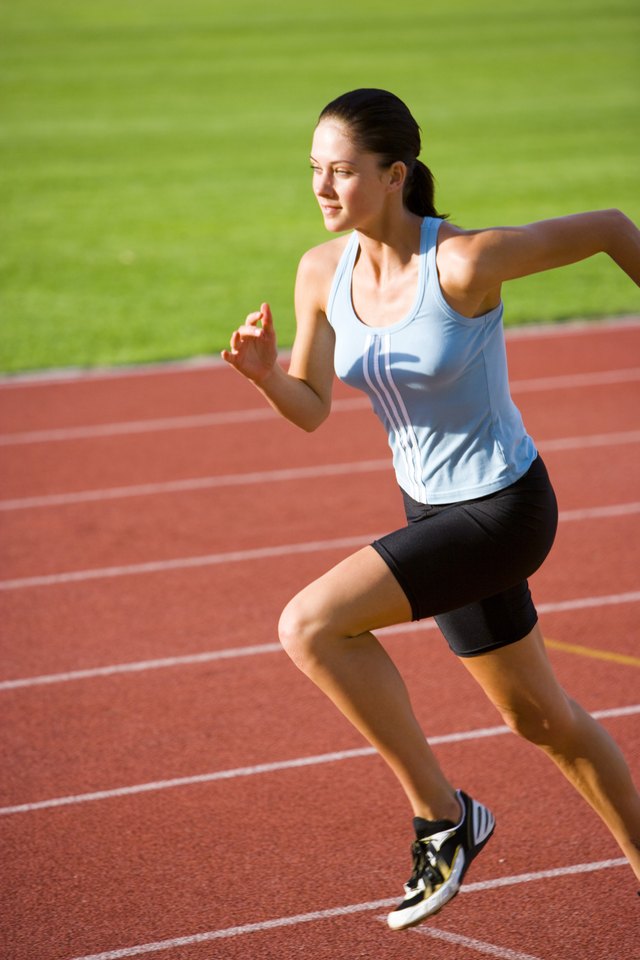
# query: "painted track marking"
194,421
481,733
191,484
207,483
209,656
332,912
262,553
595,654
185,563
470,943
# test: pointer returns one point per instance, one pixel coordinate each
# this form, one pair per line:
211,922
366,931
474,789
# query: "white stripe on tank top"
379,379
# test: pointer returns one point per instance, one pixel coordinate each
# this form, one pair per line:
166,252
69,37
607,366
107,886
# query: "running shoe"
440,860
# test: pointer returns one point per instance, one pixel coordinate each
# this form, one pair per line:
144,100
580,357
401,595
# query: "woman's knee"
543,723
300,629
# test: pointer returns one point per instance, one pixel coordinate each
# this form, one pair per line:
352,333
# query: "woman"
408,308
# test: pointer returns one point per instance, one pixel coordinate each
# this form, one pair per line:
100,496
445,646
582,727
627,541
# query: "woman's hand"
253,350
302,393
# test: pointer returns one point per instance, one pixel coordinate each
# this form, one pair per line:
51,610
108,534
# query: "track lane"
111,732
94,771
173,390
136,529
182,454
150,868
214,607
192,720
92,877
229,448
178,661
585,444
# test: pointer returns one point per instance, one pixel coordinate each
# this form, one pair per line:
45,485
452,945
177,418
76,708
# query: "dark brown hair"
380,123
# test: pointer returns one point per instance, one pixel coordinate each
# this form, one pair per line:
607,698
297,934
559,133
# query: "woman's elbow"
315,420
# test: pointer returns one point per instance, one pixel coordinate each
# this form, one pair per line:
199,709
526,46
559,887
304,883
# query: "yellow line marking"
590,652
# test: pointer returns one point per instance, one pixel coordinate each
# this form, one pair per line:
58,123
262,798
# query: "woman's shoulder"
325,257
462,280
317,268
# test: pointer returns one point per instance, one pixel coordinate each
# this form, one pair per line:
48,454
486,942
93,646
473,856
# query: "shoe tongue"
427,828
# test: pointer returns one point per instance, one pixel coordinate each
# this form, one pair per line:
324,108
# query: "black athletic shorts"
467,563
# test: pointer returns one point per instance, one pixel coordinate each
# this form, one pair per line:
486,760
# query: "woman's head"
380,123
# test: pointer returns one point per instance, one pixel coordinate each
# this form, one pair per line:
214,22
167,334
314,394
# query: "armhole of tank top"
346,260
433,284
431,243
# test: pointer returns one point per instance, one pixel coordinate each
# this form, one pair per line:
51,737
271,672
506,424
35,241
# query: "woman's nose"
324,186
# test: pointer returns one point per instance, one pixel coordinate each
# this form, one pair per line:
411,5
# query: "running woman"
407,307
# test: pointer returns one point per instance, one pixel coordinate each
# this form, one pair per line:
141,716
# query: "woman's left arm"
480,260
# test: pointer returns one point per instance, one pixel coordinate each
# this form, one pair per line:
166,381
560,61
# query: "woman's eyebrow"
350,162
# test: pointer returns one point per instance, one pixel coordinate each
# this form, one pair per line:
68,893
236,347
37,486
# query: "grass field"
155,183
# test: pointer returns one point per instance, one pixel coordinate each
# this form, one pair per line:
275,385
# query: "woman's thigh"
359,594
520,681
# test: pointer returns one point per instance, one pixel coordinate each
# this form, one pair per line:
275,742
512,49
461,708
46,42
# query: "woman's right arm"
303,394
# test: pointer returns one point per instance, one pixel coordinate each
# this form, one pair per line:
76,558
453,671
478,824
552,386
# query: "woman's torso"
437,380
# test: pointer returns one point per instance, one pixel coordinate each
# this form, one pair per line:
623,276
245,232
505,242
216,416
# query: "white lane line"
580,603
579,325
529,385
592,440
141,666
276,476
213,777
600,513
570,381
210,656
470,943
332,912
204,483
275,767
164,423
261,553
184,563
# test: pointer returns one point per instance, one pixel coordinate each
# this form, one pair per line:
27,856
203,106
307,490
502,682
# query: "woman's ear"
397,174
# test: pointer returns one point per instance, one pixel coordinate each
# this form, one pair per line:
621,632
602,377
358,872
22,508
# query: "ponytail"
419,191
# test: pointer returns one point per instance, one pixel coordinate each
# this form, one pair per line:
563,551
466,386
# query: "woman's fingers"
263,316
252,344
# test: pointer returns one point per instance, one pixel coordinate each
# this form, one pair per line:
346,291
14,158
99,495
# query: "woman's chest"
385,304
426,353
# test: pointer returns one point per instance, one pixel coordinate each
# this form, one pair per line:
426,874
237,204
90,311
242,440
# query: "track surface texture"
173,788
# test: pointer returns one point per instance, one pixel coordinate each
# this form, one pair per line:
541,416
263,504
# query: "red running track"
173,787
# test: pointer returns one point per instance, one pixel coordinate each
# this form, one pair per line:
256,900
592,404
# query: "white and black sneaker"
441,856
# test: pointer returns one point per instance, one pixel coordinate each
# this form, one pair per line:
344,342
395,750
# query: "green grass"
155,185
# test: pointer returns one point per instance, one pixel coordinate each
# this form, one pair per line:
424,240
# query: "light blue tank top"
439,383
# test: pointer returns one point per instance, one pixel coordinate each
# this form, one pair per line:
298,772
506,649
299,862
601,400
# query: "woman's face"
350,185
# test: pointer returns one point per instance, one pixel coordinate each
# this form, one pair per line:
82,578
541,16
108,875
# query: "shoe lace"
425,865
